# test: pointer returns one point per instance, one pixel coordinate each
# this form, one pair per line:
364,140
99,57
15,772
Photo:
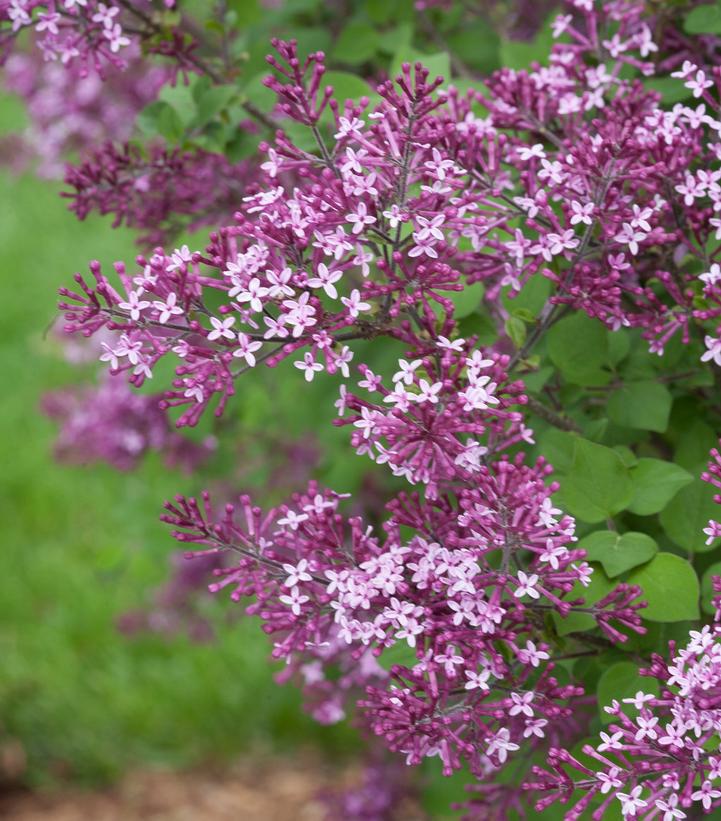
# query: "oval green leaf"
655,483
597,485
619,681
643,405
618,552
670,586
688,513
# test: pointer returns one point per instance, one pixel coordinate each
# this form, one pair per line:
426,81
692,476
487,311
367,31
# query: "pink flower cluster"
66,30
157,190
113,424
444,582
70,110
378,796
713,476
427,195
95,36
664,760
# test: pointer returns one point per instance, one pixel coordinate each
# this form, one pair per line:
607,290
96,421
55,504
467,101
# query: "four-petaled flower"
246,349
360,218
309,366
354,304
168,309
326,279
221,328
631,802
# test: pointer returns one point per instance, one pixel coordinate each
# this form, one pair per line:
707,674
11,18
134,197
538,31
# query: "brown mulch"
261,790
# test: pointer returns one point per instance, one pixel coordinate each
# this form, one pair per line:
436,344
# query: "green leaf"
599,586
619,681
517,54
670,586
389,42
619,345
655,483
481,325
241,146
645,405
524,315
618,552
310,38
516,330
672,90
161,119
438,64
595,429
477,45
356,44
535,380
257,93
379,11
707,592
557,447
468,300
180,98
300,135
384,11
627,455
688,513
200,85
346,86
704,20
399,653
246,11
437,793
598,484
532,297
693,445
578,346
211,102
639,364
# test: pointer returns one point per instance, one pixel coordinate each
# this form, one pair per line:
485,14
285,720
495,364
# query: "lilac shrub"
111,423
95,35
158,190
515,287
70,109
665,757
85,76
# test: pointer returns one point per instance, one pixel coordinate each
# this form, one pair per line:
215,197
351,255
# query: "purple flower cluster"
111,423
429,196
90,32
379,796
664,759
460,582
103,38
71,110
713,476
157,190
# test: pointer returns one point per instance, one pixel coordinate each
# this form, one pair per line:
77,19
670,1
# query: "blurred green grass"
80,546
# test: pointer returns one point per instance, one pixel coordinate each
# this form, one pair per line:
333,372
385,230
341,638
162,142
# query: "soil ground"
265,790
